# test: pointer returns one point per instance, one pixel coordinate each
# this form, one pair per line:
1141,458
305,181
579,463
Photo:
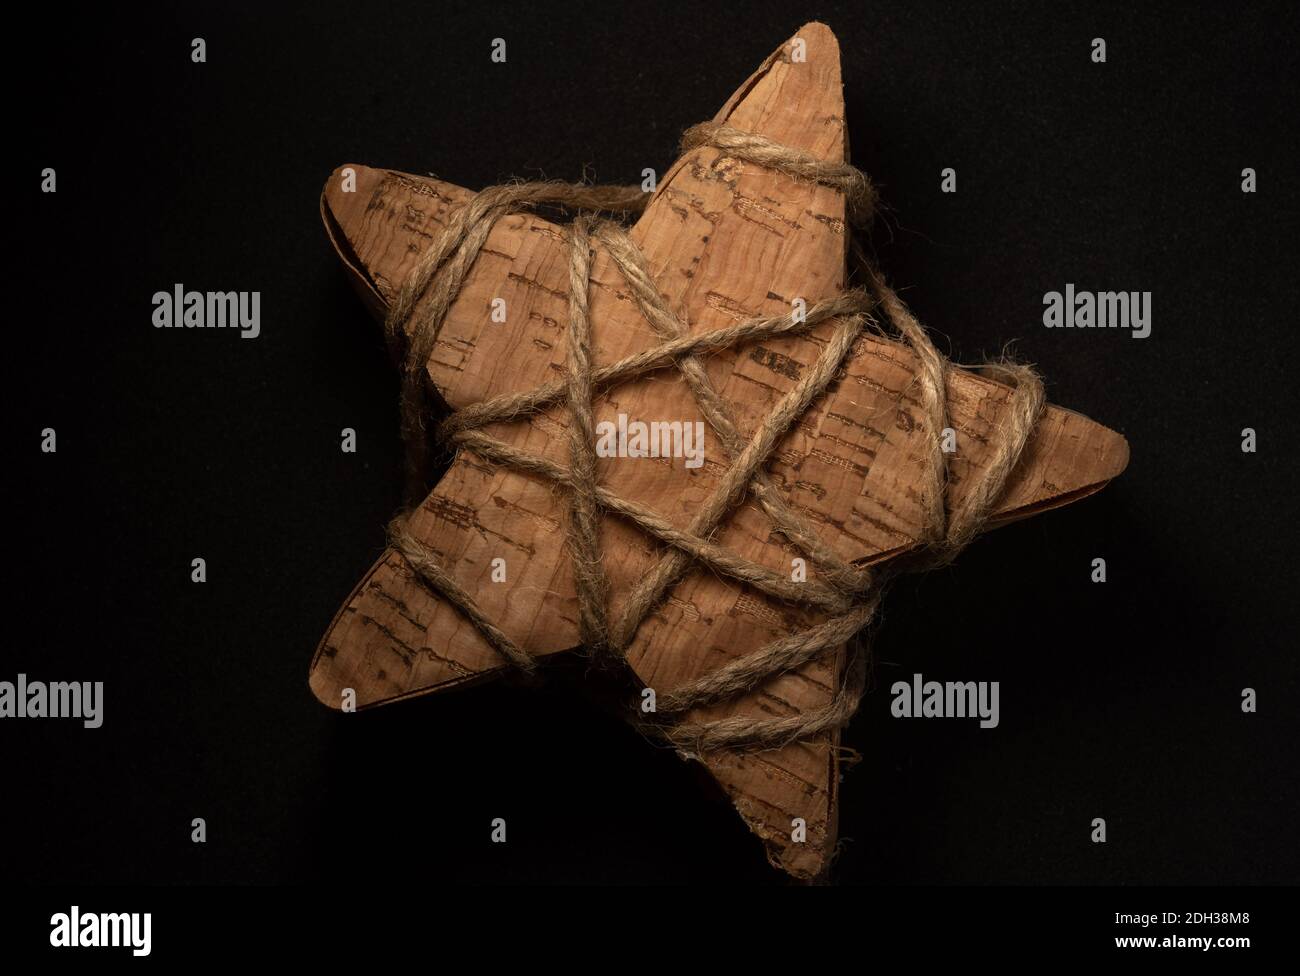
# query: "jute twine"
848,594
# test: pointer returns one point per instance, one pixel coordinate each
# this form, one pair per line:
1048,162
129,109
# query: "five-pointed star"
725,241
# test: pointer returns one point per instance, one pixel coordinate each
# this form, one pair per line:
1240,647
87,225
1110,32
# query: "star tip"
1112,454
815,27
324,691
818,33
341,176
1122,455
337,172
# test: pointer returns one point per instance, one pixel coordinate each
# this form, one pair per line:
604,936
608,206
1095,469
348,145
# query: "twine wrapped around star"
850,594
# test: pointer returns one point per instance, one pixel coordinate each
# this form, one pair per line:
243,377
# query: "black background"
1119,700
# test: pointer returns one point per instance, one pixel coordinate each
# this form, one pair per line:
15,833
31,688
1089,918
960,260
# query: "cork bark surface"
726,240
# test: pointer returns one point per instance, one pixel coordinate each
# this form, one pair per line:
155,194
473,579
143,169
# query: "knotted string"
848,594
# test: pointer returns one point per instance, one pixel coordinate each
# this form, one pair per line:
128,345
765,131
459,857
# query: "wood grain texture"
725,240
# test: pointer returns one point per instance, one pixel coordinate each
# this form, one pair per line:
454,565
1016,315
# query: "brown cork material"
725,241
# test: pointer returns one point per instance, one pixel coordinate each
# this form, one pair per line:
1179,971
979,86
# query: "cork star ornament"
695,447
